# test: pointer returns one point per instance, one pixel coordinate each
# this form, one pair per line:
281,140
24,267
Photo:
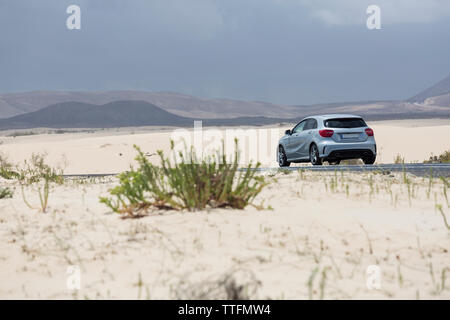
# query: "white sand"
181,254
111,151
340,225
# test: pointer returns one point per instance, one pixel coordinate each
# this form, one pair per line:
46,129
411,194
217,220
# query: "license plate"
350,135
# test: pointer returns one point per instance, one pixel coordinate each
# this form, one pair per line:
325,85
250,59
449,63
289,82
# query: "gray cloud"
344,12
285,51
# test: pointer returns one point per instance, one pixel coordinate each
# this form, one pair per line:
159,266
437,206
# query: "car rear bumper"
348,151
349,154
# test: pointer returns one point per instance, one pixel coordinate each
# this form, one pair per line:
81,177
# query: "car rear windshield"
345,123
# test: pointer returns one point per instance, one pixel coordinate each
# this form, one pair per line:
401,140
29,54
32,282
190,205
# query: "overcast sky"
282,51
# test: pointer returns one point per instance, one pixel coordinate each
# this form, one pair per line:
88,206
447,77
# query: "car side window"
300,127
310,124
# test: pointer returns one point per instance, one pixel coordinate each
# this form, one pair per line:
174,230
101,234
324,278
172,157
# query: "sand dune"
325,230
310,235
111,151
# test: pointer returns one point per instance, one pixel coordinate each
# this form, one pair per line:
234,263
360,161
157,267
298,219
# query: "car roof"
334,116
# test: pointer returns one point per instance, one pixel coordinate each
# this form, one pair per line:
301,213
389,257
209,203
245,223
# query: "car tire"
369,160
314,156
282,158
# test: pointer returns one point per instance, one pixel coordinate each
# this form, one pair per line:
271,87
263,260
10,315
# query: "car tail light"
369,132
326,133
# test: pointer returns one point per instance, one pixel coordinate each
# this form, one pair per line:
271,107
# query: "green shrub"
21,134
5,193
399,159
189,183
6,168
33,170
442,158
36,170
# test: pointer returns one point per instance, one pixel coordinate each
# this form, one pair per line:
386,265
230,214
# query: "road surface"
418,169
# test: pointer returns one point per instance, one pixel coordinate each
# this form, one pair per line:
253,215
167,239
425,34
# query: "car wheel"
369,160
314,156
282,159
334,163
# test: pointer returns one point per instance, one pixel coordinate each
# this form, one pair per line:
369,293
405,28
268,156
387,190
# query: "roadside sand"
111,151
325,229
333,226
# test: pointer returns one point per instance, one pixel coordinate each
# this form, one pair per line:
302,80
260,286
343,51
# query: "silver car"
331,138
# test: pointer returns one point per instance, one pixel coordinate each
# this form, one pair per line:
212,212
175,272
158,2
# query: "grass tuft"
37,169
444,217
5,193
33,170
442,158
399,159
190,183
6,168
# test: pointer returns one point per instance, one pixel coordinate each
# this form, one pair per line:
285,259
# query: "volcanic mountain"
442,88
114,114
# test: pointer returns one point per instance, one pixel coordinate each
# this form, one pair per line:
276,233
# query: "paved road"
418,169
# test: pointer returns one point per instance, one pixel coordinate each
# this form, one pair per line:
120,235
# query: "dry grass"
190,183
5,193
442,158
316,243
31,171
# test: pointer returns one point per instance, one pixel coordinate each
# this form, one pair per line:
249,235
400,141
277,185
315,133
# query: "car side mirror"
288,132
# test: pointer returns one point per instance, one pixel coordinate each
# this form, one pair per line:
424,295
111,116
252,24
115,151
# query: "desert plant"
21,134
311,281
430,183
322,283
6,168
441,211
190,183
442,158
32,170
5,193
36,169
444,190
399,159
43,196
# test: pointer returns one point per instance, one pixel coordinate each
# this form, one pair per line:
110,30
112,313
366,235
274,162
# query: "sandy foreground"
311,235
111,151
323,238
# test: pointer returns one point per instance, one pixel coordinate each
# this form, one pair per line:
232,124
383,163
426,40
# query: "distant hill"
443,100
73,109
141,113
83,115
438,89
12,104
114,114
